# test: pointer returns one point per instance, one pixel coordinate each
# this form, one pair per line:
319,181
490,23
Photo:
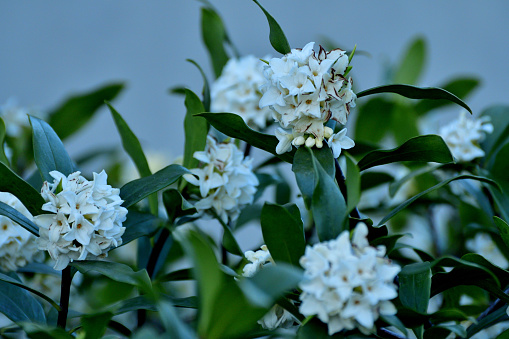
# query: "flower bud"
310,142
299,141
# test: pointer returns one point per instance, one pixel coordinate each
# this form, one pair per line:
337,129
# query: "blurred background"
52,50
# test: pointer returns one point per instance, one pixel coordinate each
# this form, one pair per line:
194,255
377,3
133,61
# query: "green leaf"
443,331
175,204
425,148
115,271
276,36
413,92
214,35
353,184
49,152
133,148
39,331
173,324
229,241
374,179
196,129
461,87
12,183
18,305
234,126
178,275
138,225
374,120
95,325
136,190
3,157
488,321
437,186
206,88
503,228
283,232
404,123
415,285
9,280
412,63
77,110
499,117
19,218
396,185
328,205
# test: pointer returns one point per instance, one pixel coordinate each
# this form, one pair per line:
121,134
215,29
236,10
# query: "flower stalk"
65,290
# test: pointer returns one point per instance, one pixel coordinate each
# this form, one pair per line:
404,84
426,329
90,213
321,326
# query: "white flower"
305,90
348,284
464,135
85,221
340,141
485,246
237,91
17,245
226,181
276,316
15,118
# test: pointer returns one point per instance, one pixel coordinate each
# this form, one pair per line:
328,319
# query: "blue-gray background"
50,49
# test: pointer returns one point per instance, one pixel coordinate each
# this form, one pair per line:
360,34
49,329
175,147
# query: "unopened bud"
299,141
310,142
319,143
327,132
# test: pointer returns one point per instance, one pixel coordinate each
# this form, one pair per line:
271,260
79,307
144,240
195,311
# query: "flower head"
85,219
17,245
306,89
225,180
348,283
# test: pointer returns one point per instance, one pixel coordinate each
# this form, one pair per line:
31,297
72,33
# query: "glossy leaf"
206,87
503,228
283,232
353,184
175,204
138,225
373,179
437,186
3,157
461,87
374,120
276,36
49,152
229,241
234,126
7,279
499,118
425,148
413,92
19,218
414,286
95,325
76,111
18,305
138,189
412,63
133,148
214,35
195,128
12,183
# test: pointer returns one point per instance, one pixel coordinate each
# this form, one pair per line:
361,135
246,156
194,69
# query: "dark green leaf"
374,120
394,321
206,88
138,225
229,241
175,327
404,123
488,321
178,275
413,92
12,183
18,305
396,185
461,87
437,186
19,218
214,35
95,325
39,331
9,280
442,331
3,157
425,148
175,204
136,190
234,126
353,184
412,63
133,148
499,117
49,152
76,111
374,179
283,232
248,213
283,192
503,228
196,129
276,36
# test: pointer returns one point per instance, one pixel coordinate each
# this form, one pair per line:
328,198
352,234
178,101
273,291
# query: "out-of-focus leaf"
5,278
413,92
173,324
206,88
133,148
136,190
19,218
437,186
374,179
178,275
488,321
77,110
353,184
18,305
138,225
396,185
276,36
442,331
214,35
404,123
49,152
248,213
503,228
175,204
283,232
95,325
461,87
414,286
12,183
374,120
196,129
234,126
3,157
40,331
412,63
499,117
425,148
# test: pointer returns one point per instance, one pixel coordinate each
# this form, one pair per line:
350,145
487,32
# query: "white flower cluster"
277,316
14,117
17,245
305,90
226,181
85,221
348,284
237,90
464,135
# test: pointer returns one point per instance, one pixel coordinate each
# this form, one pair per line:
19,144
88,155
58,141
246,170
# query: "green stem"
65,290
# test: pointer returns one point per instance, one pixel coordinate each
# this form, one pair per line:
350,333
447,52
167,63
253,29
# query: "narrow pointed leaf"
3,157
503,228
139,225
425,148
138,189
9,280
353,184
174,325
19,218
12,183
413,92
77,110
214,36
195,128
49,152
276,36
412,64
415,285
206,88
234,126
18,305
